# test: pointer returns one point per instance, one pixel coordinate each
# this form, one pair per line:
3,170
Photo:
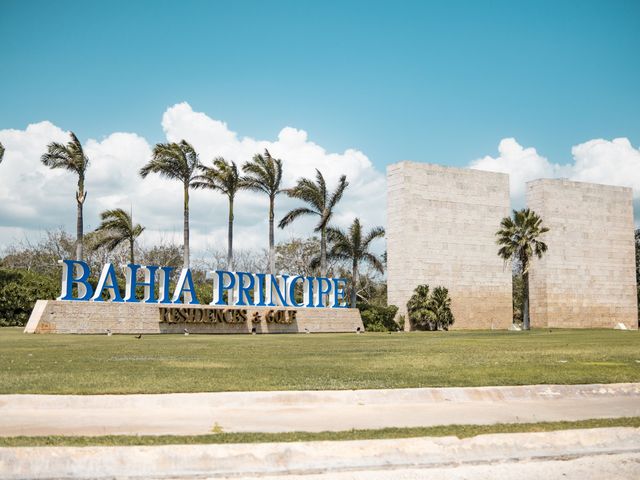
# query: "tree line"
518,236
179,161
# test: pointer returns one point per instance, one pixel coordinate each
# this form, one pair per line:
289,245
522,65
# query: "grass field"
203,363
460,431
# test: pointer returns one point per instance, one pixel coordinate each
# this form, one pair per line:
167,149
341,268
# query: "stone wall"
441,225
54,316
587,278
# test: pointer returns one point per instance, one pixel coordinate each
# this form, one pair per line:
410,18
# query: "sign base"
58,316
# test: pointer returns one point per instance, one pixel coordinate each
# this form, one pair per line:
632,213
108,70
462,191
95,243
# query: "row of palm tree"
1,152
518,237
263,174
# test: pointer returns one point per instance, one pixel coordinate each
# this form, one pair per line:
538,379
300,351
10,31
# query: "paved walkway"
607,453
200,413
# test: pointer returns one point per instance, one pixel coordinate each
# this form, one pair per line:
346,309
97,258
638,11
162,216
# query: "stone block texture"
441,225
55,316
587,277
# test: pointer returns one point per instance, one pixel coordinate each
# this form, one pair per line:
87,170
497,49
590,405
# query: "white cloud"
34,198
609,162
522,164
614,162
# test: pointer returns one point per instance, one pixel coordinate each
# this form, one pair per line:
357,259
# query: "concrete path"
608,453
201,413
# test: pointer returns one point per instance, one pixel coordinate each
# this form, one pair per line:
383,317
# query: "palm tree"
518,238
264,174
176,161
440,303
1,152
315,194
71,157
224,177
117,227
354,247
430,310
419,310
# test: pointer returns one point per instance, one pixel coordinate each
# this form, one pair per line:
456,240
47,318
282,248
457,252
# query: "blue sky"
429,81
533,89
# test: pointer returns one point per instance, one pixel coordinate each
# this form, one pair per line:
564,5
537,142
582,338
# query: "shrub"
19,290
378,319
430,311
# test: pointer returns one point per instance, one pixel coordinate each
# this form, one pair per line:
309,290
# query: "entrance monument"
242,303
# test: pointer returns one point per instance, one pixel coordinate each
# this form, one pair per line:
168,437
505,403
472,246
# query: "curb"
189,461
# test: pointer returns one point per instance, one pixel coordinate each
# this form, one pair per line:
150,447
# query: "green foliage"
378,319
430,311
19,290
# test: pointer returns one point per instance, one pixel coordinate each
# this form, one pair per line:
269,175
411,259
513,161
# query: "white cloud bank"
34,198
609,162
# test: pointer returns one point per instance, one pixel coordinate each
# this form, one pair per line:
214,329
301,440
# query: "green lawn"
196,363
460,431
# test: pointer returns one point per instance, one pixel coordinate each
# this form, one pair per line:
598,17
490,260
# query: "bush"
430,311
19,290
378,319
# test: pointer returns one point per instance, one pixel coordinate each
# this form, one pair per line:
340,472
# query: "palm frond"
519,237
263,174
295,213
69,157
174,161
337,194
116,227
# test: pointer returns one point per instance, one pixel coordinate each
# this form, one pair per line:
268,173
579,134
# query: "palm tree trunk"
323,252
272,256
354,284
131,256
80,197
525,302
230,237
185,249
79,229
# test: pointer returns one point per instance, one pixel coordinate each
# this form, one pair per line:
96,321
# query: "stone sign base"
56,316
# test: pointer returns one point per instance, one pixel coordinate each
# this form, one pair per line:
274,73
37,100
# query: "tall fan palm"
518,238
321,203
224,177
117,227
353,246
71,157
1,152
176,161
264,174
